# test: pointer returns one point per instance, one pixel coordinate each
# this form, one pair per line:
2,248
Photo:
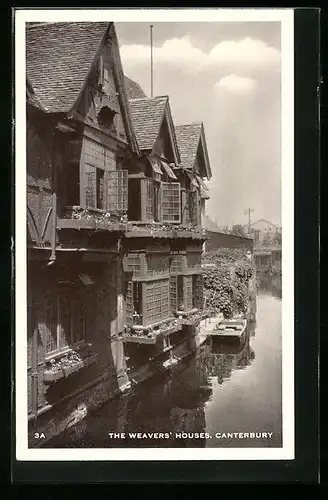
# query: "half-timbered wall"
39,178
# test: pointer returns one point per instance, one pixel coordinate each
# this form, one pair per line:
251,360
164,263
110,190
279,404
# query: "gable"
62,63
147,116
193,149
163,146
100,97
58,58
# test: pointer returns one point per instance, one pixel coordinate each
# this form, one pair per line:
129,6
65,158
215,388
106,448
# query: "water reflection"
269,285
224,386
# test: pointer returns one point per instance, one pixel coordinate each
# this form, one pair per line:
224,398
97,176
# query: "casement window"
195,208
186,206
156,298
171,202
105,187
64,322
188,295
186,292
147,302
149,203
151,200
177,299
198,291
144,199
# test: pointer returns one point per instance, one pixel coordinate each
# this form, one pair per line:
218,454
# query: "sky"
226,75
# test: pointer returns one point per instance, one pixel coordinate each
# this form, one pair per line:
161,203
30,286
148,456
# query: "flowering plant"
81,213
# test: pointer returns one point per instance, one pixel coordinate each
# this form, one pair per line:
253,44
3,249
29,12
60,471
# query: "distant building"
218,238
264,233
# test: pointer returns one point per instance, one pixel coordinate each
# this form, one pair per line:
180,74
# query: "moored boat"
230,329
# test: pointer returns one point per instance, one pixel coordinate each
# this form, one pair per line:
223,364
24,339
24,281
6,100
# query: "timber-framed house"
80,140
113,222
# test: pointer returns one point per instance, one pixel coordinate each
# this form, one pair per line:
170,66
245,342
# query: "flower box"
193,318
139,339
90,224
51,376
148,233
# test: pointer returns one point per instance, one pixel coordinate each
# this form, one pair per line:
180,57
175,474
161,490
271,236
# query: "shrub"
226,281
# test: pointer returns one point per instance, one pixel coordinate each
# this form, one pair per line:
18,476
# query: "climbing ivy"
227,274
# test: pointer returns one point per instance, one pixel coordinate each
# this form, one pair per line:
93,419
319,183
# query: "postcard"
154,164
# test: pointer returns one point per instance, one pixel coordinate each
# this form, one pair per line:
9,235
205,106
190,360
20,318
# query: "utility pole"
151,60
248,212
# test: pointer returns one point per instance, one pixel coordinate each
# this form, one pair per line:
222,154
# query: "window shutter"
195,207
50,323
173,293
149,206
186,206
90,187
116,191
159,203
171,202
188,293
199,291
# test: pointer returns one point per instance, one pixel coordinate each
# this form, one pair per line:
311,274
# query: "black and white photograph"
154,234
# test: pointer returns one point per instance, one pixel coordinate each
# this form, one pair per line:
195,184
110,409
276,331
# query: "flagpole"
151,60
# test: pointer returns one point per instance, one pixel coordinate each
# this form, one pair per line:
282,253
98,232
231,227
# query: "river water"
224,395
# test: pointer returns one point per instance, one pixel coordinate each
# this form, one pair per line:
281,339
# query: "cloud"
245,52
236,84
177,52
182,53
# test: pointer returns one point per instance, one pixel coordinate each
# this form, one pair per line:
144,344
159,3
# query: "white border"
286,17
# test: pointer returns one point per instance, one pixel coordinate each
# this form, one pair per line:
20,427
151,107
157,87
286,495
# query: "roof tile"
188,137
133,89
58,59
147,115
